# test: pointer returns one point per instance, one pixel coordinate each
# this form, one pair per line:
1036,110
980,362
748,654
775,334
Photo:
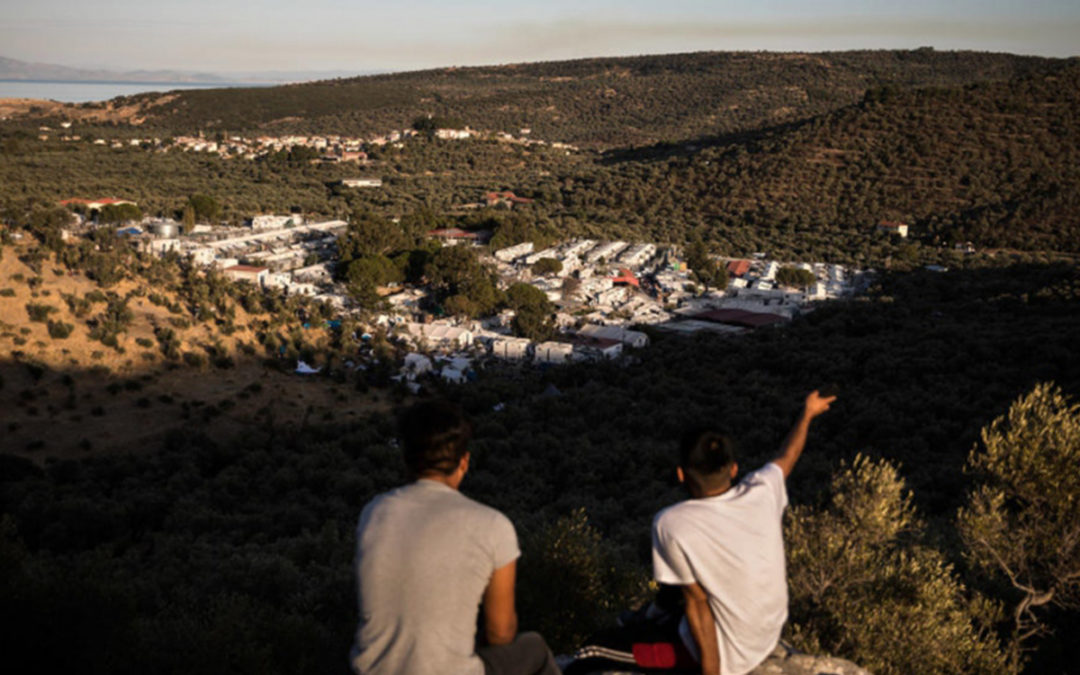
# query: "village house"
893,227
361,182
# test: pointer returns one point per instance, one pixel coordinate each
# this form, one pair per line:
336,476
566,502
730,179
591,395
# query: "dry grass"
75,397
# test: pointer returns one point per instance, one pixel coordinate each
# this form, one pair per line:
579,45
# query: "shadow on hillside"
73,413
666,150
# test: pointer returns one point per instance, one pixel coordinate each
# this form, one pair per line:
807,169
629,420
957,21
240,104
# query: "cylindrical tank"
165,230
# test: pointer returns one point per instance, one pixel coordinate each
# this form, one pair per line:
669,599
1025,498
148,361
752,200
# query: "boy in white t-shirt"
724,548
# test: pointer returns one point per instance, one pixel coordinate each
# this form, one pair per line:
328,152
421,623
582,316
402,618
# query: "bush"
7,292
546,266
863,587
38,312
58,330
80,307
795,277
1021,525
593,582
144,342
194,359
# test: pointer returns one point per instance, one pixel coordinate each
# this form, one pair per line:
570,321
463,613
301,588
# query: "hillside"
70,396
604,102
993,163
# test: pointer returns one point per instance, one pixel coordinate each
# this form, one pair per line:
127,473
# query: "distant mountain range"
13,69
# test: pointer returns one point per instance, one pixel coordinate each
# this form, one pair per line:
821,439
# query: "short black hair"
705,455
435,436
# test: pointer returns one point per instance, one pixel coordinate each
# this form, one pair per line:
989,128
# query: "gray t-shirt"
424,555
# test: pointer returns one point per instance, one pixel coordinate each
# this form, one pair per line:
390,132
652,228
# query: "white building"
439,335
578,246
637,255
202,256
510,348
607,251
249,273
453,134
362,182
162,246
631,338
269,222
554,352
546,253
511,253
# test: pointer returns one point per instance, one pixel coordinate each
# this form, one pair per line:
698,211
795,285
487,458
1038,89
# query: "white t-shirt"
732,545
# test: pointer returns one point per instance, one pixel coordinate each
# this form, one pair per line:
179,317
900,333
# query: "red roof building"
740,317
738,268
626,277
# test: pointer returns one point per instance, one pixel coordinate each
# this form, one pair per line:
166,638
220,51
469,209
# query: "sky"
393,35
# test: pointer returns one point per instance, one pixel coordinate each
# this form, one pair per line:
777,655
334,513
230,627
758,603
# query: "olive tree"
865,586
1021,524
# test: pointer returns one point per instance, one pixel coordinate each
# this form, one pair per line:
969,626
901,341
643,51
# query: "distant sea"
81,92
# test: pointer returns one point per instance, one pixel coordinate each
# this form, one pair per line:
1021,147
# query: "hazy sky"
239,35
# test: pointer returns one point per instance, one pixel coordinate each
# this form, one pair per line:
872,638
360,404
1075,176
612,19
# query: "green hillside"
995,163
597,102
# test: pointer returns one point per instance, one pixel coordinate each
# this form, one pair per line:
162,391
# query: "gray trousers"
528,654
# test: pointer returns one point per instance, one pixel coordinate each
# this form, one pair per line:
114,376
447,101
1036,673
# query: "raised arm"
796,438
500,616
703,627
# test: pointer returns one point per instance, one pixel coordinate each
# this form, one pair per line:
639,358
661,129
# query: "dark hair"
705,455
434,435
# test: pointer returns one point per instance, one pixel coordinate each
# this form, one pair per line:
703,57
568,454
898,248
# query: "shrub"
80,307
1021,524
862,585
7,292
144,342
194,359
38,312
593,581
546,266
58,330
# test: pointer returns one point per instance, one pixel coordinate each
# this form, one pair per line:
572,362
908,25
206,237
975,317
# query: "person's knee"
534,645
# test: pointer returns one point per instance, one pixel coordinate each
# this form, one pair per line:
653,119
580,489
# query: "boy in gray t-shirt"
428,557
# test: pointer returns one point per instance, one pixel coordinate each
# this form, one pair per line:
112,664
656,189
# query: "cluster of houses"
331,148
284,252
601,290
